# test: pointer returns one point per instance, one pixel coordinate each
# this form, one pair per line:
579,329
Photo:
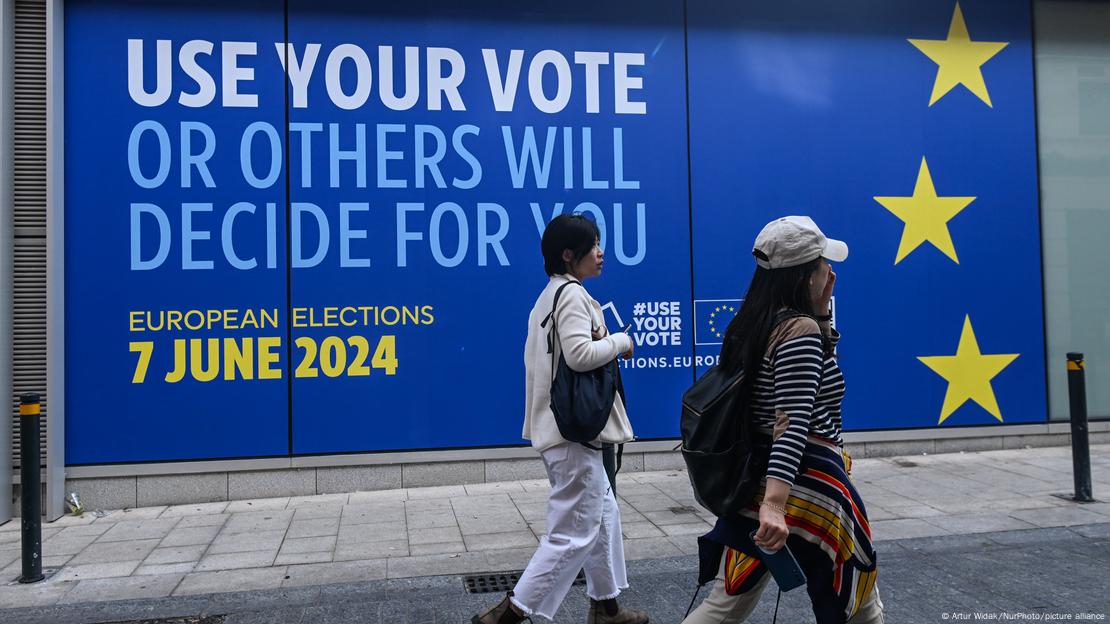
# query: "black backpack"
726,458
581,402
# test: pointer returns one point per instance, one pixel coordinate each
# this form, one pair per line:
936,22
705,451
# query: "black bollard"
1080,446
30,488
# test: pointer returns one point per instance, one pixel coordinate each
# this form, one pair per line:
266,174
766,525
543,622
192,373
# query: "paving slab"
316,527
246,542
442,491
906,528
308,544
175,554
649,548
358,498
495,541
129,530
8,556
204,520
109,552
82,530
508,558
441,548
285,558
434,536
257,504
435,519
694,528
373,532
488,514
341,572
165,568
374,513
190,536
640,529
14,596
257,521
96,570
481,489
532,511
67,545
230,581
1059,516
317,500
196,509
323,510
237,560
137,513
126,588
428,565
351,551
978,523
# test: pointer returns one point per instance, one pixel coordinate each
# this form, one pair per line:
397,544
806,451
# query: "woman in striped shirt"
782,338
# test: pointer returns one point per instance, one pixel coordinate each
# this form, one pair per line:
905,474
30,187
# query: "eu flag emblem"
712,319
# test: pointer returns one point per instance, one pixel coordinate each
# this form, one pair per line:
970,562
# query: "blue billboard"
906,129
313,227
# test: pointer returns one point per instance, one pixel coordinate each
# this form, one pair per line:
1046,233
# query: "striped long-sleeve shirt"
801,385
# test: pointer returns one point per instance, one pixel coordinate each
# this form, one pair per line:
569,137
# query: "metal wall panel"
29,209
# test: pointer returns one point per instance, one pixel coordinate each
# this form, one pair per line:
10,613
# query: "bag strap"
691,607
789,314
551,317
780,318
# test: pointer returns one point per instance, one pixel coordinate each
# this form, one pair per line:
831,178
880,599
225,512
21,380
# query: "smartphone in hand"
782,565
624,330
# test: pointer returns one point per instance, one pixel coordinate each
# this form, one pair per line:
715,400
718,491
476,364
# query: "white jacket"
578,315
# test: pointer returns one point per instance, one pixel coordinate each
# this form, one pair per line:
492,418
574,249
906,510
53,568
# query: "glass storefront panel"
1073,111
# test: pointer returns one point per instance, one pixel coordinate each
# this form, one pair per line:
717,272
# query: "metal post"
1080,448
55,264
30,483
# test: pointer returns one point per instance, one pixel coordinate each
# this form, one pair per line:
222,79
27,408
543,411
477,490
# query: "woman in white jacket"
583,520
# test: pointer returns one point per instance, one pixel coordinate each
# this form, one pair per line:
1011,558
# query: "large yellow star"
969,374
926,216
960,59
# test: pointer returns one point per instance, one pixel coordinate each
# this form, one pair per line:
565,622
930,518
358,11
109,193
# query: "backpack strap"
776,338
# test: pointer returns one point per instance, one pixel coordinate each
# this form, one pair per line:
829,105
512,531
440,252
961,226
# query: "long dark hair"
770,291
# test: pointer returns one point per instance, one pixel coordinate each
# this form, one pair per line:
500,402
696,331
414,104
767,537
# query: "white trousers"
583,533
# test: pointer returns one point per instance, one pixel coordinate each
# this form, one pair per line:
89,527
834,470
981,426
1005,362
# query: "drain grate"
686,509
905,463
490,583
499,582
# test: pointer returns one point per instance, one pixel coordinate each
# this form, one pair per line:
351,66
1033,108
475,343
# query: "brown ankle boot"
609,612
500,613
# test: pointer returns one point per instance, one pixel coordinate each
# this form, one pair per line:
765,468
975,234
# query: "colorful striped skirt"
829,535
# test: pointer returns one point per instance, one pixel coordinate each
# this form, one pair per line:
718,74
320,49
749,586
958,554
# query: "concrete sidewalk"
1030,574
365,536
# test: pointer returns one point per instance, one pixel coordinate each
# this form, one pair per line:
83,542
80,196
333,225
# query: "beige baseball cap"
794,241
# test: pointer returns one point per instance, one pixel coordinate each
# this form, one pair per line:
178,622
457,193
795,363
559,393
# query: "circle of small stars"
719,332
